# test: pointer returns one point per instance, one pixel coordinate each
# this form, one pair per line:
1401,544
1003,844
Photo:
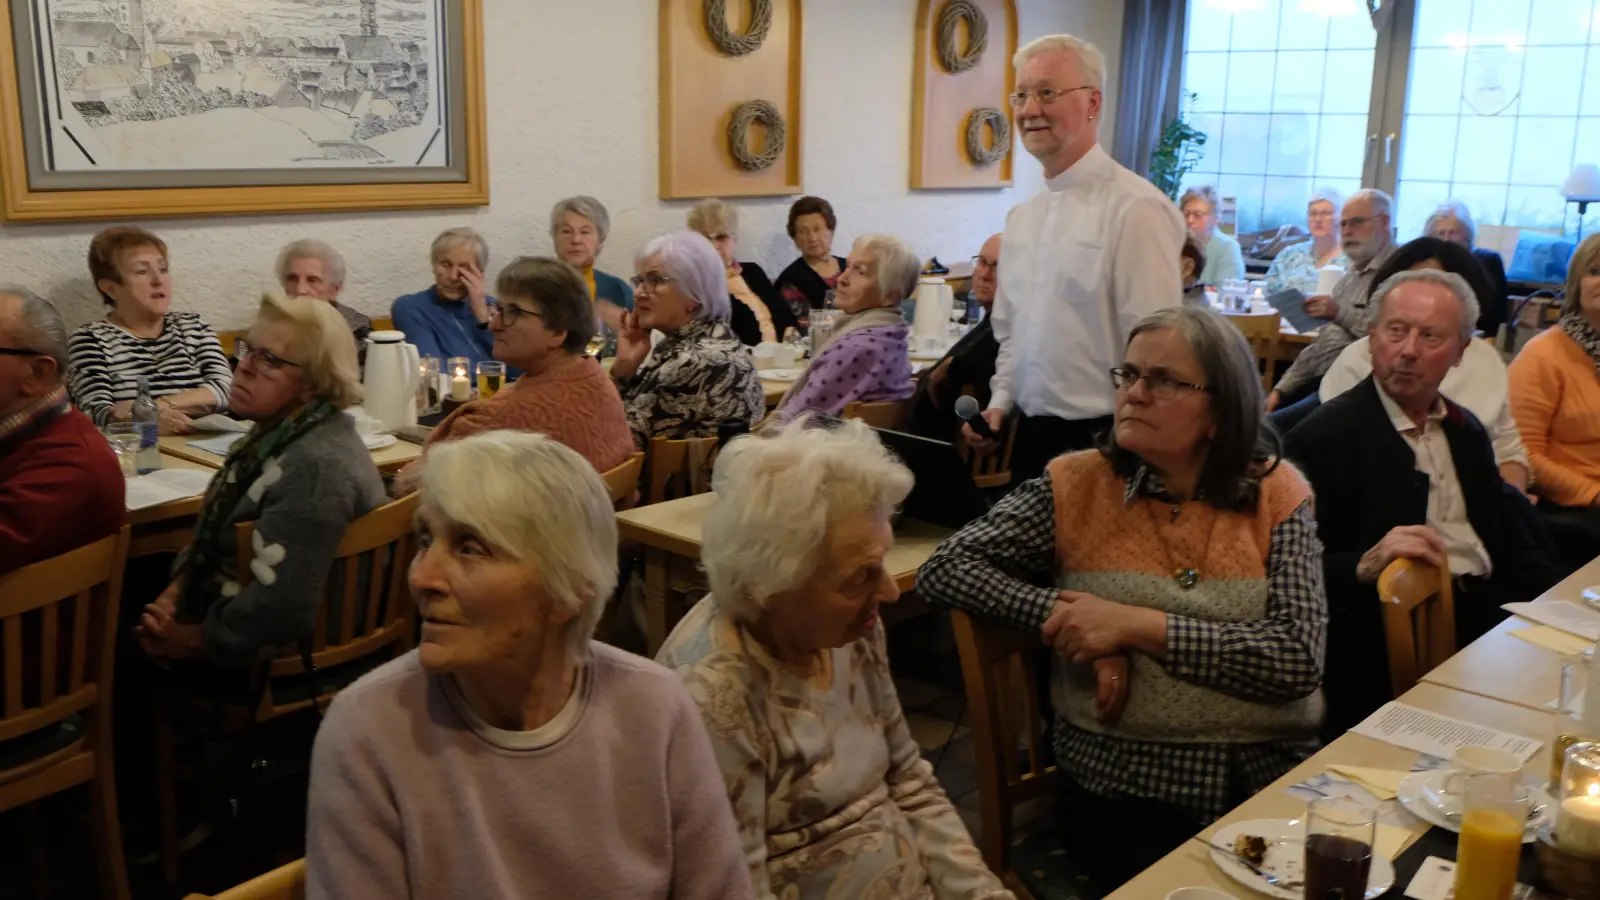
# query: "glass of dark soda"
1339,837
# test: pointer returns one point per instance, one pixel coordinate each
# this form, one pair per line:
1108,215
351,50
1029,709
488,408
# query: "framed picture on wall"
145,108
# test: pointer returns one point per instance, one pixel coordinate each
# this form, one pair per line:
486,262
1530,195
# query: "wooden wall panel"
942,101
701,87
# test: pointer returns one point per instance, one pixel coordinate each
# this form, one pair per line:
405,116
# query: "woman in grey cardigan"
301,475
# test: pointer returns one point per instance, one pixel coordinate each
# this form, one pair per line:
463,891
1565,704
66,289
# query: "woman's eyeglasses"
650,281
264,358
509,313
1160,385
18,351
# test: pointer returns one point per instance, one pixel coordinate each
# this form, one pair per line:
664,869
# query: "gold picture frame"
31,192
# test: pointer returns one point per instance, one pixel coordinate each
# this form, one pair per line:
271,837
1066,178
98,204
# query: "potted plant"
1178,151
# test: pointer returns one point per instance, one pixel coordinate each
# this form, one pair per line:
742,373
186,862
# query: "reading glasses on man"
1355,221
18,351
1160,385
1046,96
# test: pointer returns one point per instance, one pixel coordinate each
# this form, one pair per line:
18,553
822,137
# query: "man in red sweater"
60,485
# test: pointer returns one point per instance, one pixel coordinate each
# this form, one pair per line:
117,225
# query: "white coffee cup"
1475,759
765,354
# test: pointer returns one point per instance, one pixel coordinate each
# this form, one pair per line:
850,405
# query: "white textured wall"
572,109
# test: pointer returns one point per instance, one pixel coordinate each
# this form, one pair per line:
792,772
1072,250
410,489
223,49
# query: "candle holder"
428,393
1569,855
460,374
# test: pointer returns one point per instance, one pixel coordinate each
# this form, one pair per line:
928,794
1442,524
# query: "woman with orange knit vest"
1555,397
541,325
1176,573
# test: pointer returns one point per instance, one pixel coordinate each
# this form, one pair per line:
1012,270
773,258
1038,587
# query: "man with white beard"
1082,262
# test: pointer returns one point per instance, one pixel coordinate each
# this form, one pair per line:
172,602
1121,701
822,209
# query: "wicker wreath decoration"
981,153
953,60
739,134
738,44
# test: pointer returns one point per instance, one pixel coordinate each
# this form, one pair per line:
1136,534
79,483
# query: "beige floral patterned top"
831,795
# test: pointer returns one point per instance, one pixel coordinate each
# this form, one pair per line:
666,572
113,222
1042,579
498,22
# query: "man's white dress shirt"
1447,505
1080,265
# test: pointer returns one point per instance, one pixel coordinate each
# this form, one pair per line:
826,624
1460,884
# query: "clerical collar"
1090,165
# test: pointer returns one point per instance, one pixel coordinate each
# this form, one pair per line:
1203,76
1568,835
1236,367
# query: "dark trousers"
1111,839
1043,438
1576,530
1286,417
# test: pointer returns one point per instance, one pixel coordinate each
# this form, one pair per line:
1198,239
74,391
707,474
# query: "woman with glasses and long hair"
1176,574
301,475
542,325
698,378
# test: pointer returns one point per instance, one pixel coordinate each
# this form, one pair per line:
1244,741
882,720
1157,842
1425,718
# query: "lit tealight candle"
1578,823
460,388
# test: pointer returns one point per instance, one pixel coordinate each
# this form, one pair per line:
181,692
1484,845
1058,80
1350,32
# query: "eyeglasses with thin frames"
1047,96
509,313
18,351
1355,221
1160,385
264,358
650,281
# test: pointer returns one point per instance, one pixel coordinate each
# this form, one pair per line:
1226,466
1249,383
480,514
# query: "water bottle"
147,418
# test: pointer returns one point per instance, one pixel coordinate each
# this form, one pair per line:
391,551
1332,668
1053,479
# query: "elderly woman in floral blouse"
1297,265
699,377
786,660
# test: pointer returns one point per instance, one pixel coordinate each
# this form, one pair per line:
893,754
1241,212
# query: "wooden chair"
890,414
383,323
375,629
991,468
230,342
1000,671
58,724
1419,620
678,468
283,883
1264,334
622,482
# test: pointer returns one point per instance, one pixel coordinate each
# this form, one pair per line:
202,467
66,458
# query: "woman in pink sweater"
1555,396
542,325
510,756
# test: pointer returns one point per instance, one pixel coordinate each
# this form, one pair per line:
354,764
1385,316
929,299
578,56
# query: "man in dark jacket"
1400,472
969,363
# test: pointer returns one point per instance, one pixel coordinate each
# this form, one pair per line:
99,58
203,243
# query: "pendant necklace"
1185,577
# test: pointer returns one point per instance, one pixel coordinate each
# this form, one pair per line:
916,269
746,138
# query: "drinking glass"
459,387
598,341
1339,838
428,388
491,377
1494,812
124,438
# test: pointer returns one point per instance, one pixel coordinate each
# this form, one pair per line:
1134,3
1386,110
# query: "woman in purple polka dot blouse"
866,357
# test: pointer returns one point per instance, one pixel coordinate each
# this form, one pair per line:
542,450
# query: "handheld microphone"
967,409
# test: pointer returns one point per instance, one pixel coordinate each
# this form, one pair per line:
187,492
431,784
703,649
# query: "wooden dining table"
670,533
389,460
165,527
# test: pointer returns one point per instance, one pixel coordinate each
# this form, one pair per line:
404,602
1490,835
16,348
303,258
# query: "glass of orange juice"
1494,813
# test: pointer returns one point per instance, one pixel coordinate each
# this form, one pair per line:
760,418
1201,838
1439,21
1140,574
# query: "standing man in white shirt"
1081,263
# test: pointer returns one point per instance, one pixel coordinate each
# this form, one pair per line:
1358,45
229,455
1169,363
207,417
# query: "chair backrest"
1419,620
622,482
1263,333
380,545
230,342
678,468
991,468
58,626
890,414
283,883
1000,669
383,323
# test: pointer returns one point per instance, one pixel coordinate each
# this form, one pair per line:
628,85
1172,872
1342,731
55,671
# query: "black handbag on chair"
259,777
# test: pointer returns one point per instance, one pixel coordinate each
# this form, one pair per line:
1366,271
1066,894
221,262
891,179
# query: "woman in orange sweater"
541,325
1555,396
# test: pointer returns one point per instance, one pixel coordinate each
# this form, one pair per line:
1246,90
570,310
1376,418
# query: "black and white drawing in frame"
296,86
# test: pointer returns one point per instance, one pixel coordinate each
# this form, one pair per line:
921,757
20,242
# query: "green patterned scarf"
202,569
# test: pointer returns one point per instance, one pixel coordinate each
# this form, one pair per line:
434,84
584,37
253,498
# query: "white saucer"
1285,859
1423,795
377,441
778,374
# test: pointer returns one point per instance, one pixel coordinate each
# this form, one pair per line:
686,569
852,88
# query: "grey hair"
39,326
712,213
1090,59
309,248
585,206
1327,195
533,499
1203,192
1450,281
777,496
558,290
1453,209
1381,204
894,262
690,260
1243,448
451,238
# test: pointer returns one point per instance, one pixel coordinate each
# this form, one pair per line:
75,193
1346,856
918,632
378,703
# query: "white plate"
778,374
1285,859
377,441
1423,795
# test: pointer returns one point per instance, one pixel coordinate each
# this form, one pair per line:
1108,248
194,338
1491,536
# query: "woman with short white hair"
787,662
865,357
451,318
758,312
579,227
1452,221
1299,266
699,378
1224,261
312,268
445,772
301,475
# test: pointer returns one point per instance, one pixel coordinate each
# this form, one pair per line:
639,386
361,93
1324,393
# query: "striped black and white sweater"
105,363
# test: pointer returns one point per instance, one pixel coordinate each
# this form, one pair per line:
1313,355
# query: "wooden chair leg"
39,849
107,833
